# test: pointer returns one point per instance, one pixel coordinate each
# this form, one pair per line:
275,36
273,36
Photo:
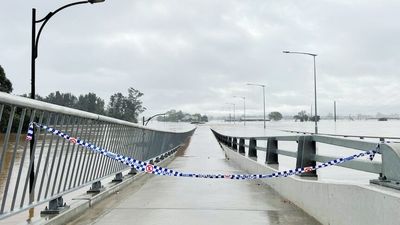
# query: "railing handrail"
306,154
341,135
36,104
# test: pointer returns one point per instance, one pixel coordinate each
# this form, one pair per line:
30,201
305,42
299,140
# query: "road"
174,200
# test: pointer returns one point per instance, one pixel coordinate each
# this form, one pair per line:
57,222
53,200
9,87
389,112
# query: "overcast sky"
194,55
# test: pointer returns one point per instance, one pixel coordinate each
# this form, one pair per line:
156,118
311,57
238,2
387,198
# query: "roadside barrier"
153,169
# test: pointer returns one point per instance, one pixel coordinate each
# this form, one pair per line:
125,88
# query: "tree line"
124,107
120,106
179,116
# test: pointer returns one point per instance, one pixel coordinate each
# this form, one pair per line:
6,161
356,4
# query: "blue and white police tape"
153,169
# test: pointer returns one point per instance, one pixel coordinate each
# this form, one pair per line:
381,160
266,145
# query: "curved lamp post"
35,43
244,108
263,87
36,37
315,85
145,122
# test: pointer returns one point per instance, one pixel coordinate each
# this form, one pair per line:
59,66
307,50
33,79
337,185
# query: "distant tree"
276,116
126,108
62,99
5,84
133,105
302,116
90,103
37,97
116,106
196,117
179,116
312,118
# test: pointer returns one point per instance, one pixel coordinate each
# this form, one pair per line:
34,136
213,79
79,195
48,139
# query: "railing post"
118,177
95,188
56,206
252,148
306,151
234,144
271,155
390,176
241,146
132,172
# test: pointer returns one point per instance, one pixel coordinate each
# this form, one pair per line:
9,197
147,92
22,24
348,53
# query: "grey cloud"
195,55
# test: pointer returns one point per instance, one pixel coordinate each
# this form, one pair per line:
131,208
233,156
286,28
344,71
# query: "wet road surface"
172,200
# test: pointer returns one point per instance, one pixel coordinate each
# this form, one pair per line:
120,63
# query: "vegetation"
179,116
120,106
312,118
5,83
302,116
6,86
91,103
275,116
126,108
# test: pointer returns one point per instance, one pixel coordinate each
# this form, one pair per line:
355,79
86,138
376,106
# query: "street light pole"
234,116
244,108
36,37
34,54
263,87
315,85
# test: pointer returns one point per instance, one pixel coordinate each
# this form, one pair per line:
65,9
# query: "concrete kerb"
328,202
87,201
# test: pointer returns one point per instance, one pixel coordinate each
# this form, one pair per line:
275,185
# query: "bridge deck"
170,200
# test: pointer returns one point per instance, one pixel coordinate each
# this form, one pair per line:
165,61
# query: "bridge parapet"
333,203
306,154
53,167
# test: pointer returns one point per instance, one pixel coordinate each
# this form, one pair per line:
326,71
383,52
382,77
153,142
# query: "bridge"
60,176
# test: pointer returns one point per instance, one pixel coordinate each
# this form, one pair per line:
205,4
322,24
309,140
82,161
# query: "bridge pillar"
56,206
390,176
241,146
306,151
252,148
271,155
118,177
234,144
95,188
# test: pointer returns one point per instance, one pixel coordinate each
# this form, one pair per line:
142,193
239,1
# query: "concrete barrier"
330,203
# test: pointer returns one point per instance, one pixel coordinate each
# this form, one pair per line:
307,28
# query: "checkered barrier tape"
157,170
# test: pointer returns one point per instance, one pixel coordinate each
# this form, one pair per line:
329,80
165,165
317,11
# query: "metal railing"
54,166
306,154
381,138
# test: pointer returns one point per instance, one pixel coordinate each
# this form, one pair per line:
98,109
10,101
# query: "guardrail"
53,167
381,138
306,154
